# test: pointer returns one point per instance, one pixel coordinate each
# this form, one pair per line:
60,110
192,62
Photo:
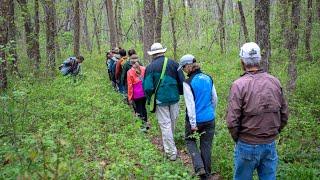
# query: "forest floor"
80,129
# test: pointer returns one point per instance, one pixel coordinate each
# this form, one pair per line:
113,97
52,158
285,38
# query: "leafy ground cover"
80,129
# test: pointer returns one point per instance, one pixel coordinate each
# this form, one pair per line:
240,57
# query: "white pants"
167,116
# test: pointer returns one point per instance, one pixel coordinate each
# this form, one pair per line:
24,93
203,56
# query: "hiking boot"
201,172
172,157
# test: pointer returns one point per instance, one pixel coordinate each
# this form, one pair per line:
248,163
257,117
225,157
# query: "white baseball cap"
186,59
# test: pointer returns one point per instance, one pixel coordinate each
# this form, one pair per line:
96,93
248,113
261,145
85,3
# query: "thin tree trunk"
284,21
118,18
76,26
84,9
12,39
186,25
68,11
36,47
262,30
158,24
243,21
318,8
293,44
148,32
308,31
96,28
51,35
139,19
222,26
111,23
4,4
172,20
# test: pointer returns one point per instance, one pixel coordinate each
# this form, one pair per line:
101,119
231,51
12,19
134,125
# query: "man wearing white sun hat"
167,94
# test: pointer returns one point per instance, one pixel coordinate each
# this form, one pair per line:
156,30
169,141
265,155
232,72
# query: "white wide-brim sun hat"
156,48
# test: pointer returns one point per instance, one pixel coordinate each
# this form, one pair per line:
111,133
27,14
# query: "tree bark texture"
293,42
308,31
284,21
318,9
68,11
222,37
12,40
50,12
139,22
36,46
158,24
262,30
243,21
148,30
95,27
76,26
118,19
4,8
186,25
173,29
111,23
84,9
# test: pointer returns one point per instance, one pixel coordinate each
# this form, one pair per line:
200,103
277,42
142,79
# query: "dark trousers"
201,157
140,108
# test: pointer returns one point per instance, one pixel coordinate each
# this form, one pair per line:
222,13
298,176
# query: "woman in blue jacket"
201,101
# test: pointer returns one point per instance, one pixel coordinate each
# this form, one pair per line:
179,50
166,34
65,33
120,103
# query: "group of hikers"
257,110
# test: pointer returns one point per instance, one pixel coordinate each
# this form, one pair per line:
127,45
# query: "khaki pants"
167,116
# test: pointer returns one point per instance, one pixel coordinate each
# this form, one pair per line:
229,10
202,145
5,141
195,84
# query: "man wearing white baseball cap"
257,112
166,90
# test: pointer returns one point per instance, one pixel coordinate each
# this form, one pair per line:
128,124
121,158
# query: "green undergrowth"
80,128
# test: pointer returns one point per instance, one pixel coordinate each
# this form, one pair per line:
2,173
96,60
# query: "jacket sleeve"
130,87
191,107
284,114
147,83
234,112
180,81
118,70
214,99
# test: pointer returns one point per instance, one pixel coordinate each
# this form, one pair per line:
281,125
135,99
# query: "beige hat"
156,48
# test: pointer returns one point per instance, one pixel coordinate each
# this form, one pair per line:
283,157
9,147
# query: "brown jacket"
257,109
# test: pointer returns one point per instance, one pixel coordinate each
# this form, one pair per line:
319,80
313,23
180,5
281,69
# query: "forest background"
64,128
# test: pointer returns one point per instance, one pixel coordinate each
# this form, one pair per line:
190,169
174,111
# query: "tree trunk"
172,15
284,21
84,9
222,26
318,8
243,21
293,44
112,25
158,24
68,11
148,32
308,31
95,27
76,26
12,40
50,12
186,25
36,47
4,4
139,19
118,18
262,30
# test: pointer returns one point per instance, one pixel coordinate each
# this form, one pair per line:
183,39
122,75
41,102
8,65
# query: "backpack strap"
164,67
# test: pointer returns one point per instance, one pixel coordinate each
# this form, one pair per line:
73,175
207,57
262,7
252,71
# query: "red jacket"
135,89
119,67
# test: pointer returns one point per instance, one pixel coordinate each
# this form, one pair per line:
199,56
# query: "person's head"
122,52
188,64
109,54
131,52
250,55
134,60
80,59
157,50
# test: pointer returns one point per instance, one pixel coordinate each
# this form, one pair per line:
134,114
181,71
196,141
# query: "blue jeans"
248,157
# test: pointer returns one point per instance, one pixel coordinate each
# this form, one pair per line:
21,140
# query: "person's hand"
194,129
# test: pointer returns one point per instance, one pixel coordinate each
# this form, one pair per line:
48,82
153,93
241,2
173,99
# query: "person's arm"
234,112
284,113
191,109
214,99
130,86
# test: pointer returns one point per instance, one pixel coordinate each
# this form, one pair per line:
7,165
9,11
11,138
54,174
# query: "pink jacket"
135,89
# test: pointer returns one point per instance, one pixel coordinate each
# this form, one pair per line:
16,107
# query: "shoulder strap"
162,73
